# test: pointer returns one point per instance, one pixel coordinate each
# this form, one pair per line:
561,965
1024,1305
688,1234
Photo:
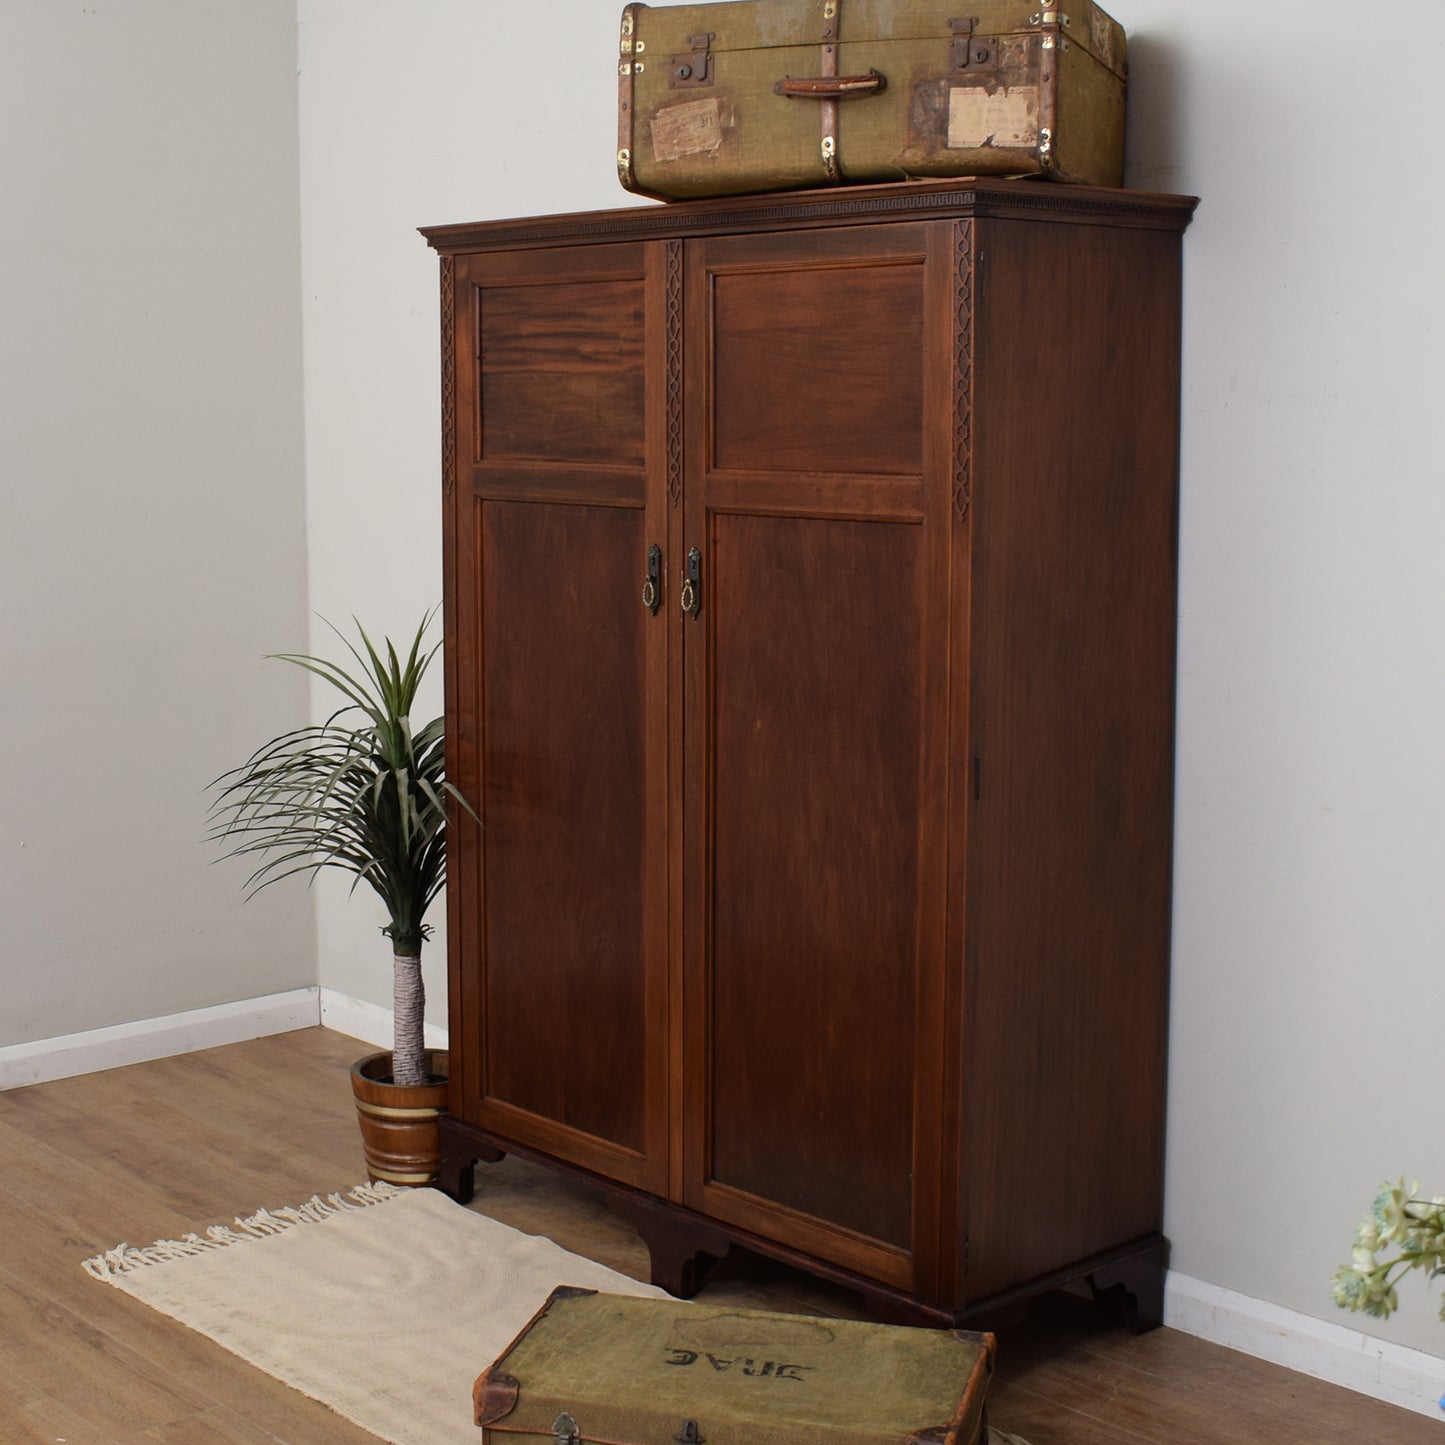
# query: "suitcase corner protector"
494,1396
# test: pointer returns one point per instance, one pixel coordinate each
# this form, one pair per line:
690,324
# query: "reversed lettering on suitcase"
769,1369
692,128
978,118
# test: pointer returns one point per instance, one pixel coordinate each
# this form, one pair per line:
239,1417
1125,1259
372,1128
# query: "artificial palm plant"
363,792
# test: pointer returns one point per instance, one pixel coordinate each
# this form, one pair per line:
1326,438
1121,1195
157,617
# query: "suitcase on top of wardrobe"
770,95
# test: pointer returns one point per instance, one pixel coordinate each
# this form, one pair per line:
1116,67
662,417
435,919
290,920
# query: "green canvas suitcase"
769,95
596,1369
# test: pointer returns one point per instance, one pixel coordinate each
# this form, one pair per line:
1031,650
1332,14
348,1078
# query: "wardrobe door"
558,700
818,504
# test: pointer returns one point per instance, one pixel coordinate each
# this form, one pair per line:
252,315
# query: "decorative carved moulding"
908,201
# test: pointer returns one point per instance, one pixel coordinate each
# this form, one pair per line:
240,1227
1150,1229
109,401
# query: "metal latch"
693,69
688,1435
970,51
565,1431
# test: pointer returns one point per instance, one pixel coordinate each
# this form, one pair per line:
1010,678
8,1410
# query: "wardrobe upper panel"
819,369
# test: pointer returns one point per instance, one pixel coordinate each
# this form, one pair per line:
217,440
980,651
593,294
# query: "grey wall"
1309,906
152,532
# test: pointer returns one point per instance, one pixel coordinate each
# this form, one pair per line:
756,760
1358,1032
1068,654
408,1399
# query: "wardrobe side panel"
1071,712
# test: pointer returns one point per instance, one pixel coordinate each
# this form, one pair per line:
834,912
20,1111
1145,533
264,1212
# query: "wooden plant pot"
399,1123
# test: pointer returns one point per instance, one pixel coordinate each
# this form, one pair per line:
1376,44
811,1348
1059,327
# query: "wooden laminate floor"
159,1149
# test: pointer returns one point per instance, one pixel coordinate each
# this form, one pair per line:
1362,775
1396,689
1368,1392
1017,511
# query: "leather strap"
828,70
625,99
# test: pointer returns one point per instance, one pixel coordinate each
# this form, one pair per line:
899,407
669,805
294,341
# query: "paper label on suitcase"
979,118
635,1370
692,128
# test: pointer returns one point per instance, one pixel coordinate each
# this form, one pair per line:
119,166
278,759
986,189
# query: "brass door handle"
652,583
692,583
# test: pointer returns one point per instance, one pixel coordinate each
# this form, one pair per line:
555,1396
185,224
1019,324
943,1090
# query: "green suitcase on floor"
595,1369
769,95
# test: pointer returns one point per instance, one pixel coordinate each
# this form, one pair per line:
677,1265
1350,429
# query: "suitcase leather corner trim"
495,1393
494,1396
967,1424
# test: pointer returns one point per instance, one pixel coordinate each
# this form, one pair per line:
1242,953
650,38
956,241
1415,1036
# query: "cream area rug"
384,1304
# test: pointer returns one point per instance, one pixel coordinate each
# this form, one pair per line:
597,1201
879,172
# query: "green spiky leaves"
361,792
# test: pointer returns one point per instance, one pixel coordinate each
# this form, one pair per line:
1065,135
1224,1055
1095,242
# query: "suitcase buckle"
688,1435
565,1431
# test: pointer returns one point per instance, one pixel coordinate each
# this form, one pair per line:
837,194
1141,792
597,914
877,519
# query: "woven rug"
384,1304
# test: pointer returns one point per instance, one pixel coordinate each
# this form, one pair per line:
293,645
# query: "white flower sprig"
1399,1218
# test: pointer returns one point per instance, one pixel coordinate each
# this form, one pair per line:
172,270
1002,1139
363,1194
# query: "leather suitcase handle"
828,87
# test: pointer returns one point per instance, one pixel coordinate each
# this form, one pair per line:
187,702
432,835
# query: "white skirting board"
134,1043
1333,1352
203,1028
368,1022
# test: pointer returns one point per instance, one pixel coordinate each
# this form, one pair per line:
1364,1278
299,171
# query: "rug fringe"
125,1258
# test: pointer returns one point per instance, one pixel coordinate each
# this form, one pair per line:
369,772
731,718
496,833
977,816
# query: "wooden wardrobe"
810,638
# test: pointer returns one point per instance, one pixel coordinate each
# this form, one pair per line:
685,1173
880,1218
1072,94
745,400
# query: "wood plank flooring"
159,1149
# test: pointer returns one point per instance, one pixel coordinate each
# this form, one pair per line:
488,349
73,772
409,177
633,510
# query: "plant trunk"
409,1011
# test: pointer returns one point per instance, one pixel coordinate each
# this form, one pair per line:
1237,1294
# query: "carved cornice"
1037,200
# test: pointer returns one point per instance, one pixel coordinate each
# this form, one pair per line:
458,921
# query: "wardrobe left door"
556,496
